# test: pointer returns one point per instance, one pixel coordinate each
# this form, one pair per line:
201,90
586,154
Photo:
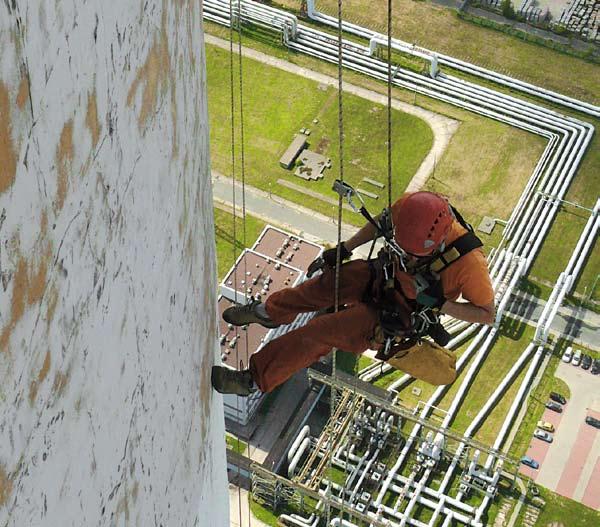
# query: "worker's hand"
328,259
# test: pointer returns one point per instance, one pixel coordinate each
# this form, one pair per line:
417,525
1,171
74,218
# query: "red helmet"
422,222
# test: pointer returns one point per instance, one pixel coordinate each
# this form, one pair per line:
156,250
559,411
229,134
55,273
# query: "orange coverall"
351,329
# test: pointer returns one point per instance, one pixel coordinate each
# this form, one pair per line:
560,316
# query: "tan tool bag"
428,362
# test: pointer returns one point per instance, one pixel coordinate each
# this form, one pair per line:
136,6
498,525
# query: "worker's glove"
430,301
328,259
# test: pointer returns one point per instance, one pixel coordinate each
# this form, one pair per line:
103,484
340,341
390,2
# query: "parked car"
568,354
545,425
555,407
596,367
586,361
558,398
592,421
526,460
543,435
576,358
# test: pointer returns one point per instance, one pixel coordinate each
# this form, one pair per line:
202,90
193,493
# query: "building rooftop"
277,260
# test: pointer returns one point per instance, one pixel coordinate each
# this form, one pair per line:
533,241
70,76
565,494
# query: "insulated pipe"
507,294
525,384
430,504
438,392
560,297
297,457
303,433
472,69
584,243
561,183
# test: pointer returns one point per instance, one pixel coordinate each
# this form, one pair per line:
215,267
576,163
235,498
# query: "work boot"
227,380
240,315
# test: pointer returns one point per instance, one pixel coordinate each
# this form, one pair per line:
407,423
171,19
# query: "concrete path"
443,127
581,324
285,214
239,509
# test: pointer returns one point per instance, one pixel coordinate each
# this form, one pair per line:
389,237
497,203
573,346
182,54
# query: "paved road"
581,324
443,128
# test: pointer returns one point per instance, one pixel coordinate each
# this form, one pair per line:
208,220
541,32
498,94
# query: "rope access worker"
388,303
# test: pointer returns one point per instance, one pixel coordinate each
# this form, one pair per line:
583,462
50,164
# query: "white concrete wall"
107,299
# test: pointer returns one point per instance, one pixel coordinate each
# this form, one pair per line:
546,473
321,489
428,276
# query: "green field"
563,511
225,234
235,444
277,105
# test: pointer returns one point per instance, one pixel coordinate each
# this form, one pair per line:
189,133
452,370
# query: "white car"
543,435
576,358
568,354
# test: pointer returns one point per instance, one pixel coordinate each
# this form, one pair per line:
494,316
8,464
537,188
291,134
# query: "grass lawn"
485,169
264,514
509,345
278,104
563,511
444,32
235,444
351,363
224,237
559,244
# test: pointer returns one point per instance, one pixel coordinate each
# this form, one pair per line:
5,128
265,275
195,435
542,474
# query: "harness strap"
459,247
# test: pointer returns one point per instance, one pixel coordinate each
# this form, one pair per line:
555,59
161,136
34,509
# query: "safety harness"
404,322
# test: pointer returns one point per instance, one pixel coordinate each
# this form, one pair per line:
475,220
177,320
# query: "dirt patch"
8,156
23,93
91,118
323,145
41,376
64,159
6,486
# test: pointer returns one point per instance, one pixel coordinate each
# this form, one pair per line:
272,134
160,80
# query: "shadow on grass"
228,237
512,328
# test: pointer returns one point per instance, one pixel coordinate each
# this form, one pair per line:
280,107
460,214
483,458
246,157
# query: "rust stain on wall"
6,486
153,76
19,295
51,305
41,376
8,156
37,282
64,158
60,383
91,118
23,93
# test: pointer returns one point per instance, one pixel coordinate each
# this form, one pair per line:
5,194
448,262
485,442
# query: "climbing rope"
333,394
389,102
238,362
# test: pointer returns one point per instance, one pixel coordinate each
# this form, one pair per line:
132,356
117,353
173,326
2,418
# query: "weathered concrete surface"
107,298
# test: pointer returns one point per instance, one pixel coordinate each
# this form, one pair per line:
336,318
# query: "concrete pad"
578,456
570,467
591,497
